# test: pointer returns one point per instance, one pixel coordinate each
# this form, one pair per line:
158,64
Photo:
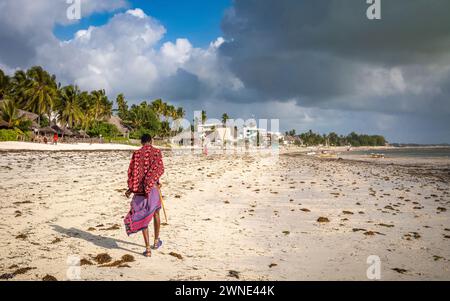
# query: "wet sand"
230,217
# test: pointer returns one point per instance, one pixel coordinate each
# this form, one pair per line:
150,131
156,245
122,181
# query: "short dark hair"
145,138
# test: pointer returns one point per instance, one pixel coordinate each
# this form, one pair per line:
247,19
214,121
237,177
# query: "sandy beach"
29,146
246,217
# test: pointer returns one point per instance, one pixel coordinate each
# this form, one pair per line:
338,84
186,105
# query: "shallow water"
432,152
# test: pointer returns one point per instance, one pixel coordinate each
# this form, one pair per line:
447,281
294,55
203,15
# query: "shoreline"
19,145
9,146
331,153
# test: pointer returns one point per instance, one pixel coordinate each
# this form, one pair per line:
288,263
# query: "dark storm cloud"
327,53
16,52
26,25
410,30
181,85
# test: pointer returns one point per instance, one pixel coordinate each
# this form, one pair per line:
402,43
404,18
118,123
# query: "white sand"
226,213
12,145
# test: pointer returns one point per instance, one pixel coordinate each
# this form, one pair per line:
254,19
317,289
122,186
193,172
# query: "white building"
216,133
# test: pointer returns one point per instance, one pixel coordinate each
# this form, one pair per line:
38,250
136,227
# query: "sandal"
147,252
157,245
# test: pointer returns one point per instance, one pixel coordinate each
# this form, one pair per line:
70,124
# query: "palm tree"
170,112
68,107
203,117
143,117
180,113
165,111
122,107
41,91
225,117
85,103
4,84
158,107
165,129
10,114
136,118
101,107
86,120
19,84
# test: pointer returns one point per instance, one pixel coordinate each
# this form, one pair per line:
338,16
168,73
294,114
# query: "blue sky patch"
197,20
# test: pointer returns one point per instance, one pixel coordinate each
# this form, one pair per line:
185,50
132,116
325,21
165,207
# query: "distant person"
45,139
146,167
55,139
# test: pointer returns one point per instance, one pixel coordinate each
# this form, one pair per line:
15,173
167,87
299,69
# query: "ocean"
410,152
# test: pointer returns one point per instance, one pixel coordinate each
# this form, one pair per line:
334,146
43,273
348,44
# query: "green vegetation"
8,135
103,129
14,135
36,91
10,116
310,139
40,91
68,106
225,118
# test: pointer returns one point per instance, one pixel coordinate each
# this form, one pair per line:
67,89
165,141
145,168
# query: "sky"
197,20
320,65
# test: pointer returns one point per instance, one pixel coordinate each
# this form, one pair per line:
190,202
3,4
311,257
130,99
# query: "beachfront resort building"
261,137
217,134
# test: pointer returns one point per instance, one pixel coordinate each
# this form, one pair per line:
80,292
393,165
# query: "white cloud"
137,13
125,56
25,25
177,53
83,35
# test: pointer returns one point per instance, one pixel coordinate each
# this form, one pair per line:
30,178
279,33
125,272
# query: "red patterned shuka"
146,167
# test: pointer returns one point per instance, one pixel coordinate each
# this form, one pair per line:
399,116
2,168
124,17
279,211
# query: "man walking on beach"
146,167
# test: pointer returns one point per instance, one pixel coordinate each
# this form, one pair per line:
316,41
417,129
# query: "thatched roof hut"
78,134
62,132
83,134
57,129
47,130
123,129
69,132
288,139
27,115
